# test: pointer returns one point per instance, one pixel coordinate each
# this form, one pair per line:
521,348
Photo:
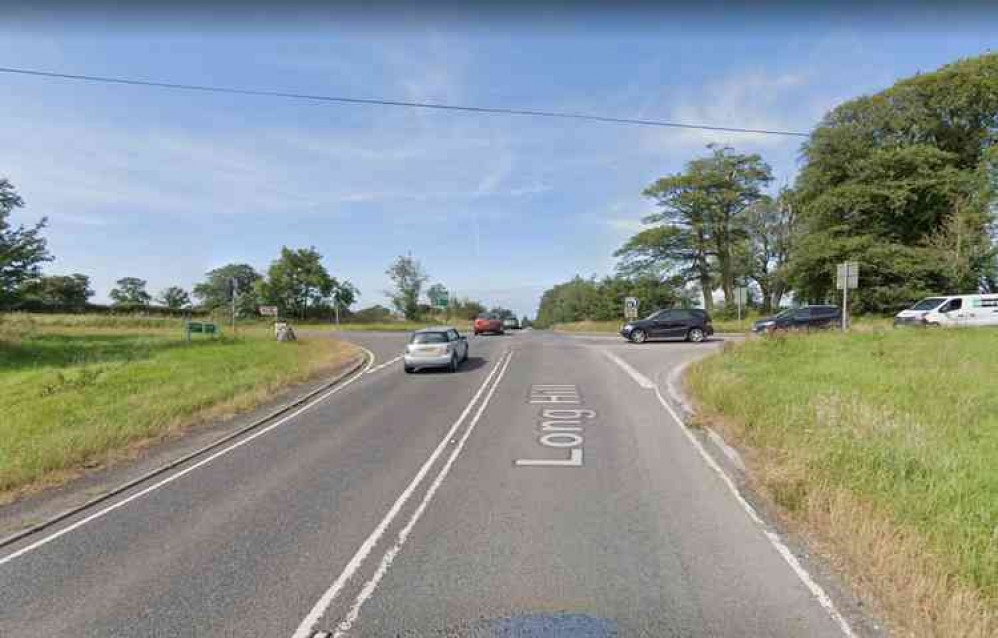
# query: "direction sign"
631,307
268,311
741,295
442,300
847,275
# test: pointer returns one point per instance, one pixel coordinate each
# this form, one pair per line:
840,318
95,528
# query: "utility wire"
398,103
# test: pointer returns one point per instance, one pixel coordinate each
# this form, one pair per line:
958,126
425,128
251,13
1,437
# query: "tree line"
297,283
902,182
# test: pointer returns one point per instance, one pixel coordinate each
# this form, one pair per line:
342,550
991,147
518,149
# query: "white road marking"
816,590
386,561
173,477
639,378
305,628
383,365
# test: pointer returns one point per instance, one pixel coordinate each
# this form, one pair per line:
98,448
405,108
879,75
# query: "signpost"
201,327
846,279
741,298
267,311
631,308
235,295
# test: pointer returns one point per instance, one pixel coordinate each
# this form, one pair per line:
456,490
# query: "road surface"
543,490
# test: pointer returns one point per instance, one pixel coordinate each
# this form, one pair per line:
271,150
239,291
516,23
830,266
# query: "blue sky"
166,185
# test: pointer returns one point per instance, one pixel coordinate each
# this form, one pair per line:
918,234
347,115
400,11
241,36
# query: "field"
84,391
883,445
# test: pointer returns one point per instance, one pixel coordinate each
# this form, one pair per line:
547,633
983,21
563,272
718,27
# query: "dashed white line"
386,561
173,477
305,628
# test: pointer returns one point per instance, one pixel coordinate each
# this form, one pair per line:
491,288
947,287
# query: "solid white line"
305,628
386,561
173,477
639,378
816,590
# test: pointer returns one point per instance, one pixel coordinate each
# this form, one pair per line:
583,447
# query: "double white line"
488,388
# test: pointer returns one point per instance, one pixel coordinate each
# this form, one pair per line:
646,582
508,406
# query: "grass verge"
881,445
80,397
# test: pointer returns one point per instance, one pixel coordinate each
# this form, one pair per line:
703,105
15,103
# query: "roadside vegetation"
881,444
80,392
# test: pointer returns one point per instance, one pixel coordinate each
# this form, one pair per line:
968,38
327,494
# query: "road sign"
847,276
442,300
268,311
631,307
741,298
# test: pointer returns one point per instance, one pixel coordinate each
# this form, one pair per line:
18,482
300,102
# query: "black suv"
691,324
803,318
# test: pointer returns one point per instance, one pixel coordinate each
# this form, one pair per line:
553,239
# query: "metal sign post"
235,293
741,298
631,308
846,279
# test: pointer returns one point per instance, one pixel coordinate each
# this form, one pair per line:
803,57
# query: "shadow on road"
473,363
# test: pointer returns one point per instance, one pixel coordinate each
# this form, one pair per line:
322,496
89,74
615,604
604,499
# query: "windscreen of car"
928,304
429,337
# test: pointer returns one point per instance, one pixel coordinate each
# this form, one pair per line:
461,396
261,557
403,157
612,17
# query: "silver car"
441,347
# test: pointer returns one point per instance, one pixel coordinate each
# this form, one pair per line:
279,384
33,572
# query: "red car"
488,323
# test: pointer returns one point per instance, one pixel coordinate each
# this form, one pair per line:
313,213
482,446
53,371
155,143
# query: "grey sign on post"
631,308
847,276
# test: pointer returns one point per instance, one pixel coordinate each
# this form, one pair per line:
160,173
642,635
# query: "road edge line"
304,401
774,539
321,606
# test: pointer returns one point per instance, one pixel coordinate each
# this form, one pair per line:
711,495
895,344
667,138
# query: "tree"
603,300
130,291
174,297
22,250
902,182
296,279
216,291
502,313
408,278
465,308
69,291
770,228
344,293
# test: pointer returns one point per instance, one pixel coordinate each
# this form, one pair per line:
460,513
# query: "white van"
953,310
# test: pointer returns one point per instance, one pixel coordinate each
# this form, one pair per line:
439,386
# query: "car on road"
953,310
817,317
487,323
691,324
511,324
438,347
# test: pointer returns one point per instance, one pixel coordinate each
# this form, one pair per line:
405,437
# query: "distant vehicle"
953,310
487,323
510,324
691,324
803,318
439,347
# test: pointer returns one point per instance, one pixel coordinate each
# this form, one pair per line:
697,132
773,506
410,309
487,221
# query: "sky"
165,185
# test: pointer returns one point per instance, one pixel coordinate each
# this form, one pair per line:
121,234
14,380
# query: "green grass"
904,420
75,397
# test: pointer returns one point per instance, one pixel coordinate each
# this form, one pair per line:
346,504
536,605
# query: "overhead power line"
397,103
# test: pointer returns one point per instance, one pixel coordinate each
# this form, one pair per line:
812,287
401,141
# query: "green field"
886,443
82,395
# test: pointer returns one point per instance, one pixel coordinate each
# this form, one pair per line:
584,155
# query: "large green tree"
295,280
603,299
903,182
700,224
408,278
770,228
216,290
22,249
174,297
130,291
68,291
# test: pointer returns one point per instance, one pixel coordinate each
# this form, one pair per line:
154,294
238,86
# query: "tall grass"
901,426
74,397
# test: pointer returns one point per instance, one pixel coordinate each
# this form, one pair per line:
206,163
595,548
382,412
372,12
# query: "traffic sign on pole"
631,308
846,279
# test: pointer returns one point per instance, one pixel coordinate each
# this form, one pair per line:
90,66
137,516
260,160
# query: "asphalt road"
543,490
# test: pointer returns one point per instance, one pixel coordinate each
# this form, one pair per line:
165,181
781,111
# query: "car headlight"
628,327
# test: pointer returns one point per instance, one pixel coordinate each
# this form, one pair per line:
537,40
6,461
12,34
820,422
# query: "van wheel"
695,335
639,336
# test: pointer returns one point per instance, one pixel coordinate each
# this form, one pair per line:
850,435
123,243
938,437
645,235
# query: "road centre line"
788,556
173,477
639,378
386,561
383,365
322,605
